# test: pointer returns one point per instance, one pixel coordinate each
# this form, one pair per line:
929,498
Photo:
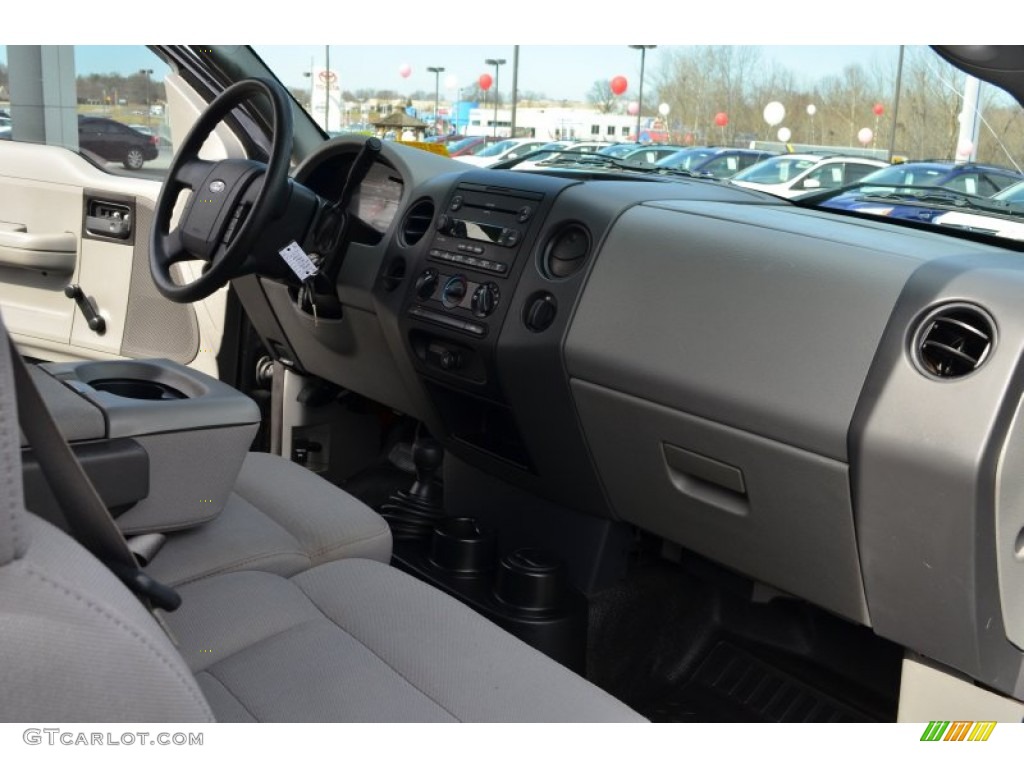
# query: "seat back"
75,644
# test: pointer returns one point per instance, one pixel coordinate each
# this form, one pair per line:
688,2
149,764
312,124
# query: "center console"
139,427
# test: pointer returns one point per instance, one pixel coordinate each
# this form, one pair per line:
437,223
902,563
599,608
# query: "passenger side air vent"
417,222
953,341
567,251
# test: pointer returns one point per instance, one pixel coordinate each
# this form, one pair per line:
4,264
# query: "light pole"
496,63
640,98
311,74
146,73
437,91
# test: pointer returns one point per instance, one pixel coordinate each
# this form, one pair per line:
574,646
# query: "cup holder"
461,545
138,389
531,580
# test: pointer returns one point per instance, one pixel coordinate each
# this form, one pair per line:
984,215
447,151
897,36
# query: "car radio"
482,228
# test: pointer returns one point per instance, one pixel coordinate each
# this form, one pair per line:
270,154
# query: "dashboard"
825,404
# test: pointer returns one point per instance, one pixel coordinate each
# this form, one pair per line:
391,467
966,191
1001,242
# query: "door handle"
42,252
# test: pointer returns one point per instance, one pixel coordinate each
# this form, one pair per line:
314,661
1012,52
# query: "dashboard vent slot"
954,341
417,222
567,250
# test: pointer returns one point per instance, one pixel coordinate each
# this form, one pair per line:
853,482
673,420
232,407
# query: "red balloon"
878,110
721,119
486,81
619,85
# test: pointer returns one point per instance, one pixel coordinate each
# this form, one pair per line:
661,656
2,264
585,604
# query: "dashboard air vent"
417,222
567,250
954,341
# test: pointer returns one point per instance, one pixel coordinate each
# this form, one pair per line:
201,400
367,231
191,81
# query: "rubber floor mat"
733,685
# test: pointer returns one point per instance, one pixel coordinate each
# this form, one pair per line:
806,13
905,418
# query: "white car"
1010,225
509,149
790,175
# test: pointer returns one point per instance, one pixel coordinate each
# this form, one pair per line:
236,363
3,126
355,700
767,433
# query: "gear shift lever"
413,514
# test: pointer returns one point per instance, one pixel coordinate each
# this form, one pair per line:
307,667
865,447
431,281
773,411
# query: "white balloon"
774,113
664,109
864,135
811,109
451,82
785,134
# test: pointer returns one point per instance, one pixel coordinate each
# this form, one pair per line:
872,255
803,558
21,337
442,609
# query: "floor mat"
732,684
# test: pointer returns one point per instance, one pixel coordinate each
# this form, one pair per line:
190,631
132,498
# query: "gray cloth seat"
347,640
280,518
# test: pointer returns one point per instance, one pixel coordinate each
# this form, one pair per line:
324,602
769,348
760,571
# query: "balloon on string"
964,149
485,81
405,70
633,108
811,110
774,113
878,109
721,119
664,109
619,84
451,82
784,134
864,135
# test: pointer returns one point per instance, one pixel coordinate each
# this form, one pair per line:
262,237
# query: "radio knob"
485,299
426,283
442,222
454,291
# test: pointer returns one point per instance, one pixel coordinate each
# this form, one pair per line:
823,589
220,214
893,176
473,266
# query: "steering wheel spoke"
172,249
194,172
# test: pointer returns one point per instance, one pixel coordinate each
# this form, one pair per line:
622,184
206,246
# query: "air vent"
567,251
954,341
417,222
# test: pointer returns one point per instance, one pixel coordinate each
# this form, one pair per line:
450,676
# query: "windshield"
777,170
685,159
821,111
1012,194
497,149
924,176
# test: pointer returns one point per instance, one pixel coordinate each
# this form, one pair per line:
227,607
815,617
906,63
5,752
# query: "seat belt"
85,515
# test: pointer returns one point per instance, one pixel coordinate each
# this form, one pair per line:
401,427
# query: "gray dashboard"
735,374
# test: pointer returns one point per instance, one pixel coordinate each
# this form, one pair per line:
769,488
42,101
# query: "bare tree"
601,96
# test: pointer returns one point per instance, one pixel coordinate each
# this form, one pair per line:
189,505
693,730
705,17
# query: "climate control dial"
454,291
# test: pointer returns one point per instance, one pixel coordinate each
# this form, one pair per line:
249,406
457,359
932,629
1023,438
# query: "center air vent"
954,341
567,251
417,222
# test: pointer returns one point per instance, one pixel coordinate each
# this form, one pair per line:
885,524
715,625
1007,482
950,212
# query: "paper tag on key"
297,259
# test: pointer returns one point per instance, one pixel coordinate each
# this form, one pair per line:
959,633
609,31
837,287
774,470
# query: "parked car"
575,444
790,175
117,142
468,146
717,162
969,178
507,149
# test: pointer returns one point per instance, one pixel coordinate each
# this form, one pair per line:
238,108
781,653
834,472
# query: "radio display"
473,230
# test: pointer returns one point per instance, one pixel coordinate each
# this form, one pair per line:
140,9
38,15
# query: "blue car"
897,190
716,162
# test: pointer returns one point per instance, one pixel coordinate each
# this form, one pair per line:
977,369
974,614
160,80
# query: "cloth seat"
280,518
346,640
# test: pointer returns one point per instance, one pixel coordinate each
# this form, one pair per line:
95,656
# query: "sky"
564,47
558,71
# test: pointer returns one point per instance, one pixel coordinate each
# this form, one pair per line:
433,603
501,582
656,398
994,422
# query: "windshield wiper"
914,193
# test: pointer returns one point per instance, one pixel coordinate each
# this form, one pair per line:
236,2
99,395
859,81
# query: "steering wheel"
231,200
